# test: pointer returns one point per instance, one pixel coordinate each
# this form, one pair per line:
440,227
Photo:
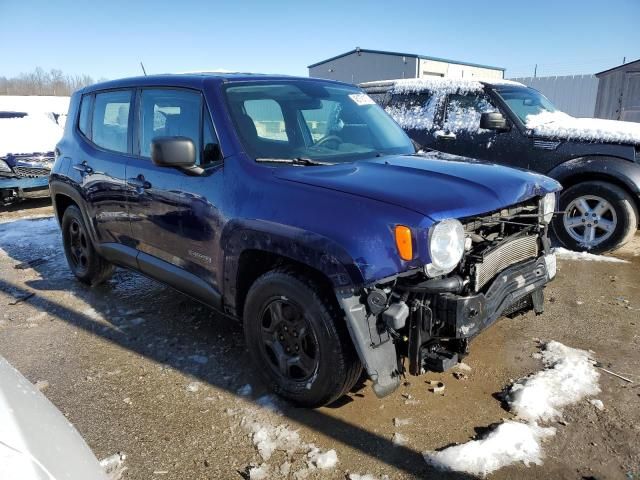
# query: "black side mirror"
494,121
178,152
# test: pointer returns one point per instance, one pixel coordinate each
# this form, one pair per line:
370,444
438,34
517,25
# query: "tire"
589,206
286,310
85,263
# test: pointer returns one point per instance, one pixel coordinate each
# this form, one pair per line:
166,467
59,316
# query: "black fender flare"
299,245
59,187
624,173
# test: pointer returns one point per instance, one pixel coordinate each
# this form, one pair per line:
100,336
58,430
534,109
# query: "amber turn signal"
404,242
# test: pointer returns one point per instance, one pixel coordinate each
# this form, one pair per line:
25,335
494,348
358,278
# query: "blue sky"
108,38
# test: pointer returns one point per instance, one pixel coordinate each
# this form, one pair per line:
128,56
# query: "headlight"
4,167
547,207
446,246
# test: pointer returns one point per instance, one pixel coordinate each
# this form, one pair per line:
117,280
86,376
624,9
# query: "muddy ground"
139,368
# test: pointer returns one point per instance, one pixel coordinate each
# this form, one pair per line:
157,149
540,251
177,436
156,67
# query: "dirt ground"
141,369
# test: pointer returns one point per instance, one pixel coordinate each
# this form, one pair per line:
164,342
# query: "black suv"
597,161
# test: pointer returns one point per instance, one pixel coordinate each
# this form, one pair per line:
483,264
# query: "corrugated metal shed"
365,65
619,93
573,94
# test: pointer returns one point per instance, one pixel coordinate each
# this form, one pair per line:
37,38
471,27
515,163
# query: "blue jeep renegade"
300,207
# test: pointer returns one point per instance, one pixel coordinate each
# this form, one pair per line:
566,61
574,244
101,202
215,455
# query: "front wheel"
298,341
597,217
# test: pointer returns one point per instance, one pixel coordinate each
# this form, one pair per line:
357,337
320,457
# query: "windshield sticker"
361,99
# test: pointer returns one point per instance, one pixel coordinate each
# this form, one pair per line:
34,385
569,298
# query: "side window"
413,111
211,152
463,112
169,113
267,117
110,123
84,119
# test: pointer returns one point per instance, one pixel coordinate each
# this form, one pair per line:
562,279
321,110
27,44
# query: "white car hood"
36,441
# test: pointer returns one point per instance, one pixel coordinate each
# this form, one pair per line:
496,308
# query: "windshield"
525,101
312,120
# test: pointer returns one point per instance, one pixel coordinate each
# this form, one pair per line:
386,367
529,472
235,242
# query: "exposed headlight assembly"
446,247
547,207
4,167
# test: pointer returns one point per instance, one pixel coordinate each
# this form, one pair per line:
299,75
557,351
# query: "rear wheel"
298,341
85,263
598,217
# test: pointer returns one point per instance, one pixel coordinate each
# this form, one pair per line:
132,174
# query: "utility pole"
535,71
624,60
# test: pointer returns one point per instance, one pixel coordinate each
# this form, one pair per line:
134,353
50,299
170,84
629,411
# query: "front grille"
31,172
503,256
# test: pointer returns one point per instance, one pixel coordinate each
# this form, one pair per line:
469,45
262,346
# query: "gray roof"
624,65
399,54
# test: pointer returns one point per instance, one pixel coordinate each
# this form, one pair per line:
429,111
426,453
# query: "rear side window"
169,113
84,120
110,125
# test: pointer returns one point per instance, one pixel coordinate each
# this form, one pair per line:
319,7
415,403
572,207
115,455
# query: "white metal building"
362,65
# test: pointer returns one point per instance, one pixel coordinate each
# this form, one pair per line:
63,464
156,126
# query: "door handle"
83,168
445,136
139,182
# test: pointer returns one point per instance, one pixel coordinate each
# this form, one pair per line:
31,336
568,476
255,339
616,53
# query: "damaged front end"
424,320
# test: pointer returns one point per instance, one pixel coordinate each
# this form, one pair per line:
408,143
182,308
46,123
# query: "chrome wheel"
590,220
288,341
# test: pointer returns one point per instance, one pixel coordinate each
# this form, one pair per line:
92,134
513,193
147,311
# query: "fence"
573,94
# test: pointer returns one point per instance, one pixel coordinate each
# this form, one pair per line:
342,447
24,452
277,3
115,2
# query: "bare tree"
41,82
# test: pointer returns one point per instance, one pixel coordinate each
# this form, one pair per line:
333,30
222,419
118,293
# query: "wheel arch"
254,247
617,171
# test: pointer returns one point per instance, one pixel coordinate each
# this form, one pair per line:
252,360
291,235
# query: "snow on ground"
569,376
560,125
564,254
39,236
281,448
366,476
509,443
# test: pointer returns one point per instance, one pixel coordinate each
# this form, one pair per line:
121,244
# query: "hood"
29,134
428,184
559,125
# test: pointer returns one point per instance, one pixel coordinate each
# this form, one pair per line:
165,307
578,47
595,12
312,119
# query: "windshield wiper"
294,161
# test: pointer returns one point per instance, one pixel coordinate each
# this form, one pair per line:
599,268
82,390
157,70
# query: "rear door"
99,164
174,215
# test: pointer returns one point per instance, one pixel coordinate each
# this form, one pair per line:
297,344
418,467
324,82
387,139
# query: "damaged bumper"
18,188
432,329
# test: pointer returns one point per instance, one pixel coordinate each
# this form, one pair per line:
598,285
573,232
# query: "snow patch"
114,465
259,473
399,440
509,443
597,403
559,125
569,377
323,461
564,254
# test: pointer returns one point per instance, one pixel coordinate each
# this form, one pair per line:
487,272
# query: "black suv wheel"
298,341
84,261
598,217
